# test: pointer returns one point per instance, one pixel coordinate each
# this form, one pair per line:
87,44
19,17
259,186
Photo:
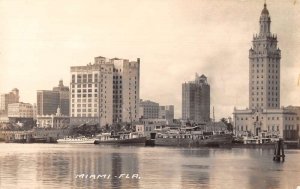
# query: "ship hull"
123,141
213,141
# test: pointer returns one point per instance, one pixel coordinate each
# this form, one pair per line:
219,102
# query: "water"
57,165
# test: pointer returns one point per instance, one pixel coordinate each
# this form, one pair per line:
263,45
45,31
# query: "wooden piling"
279,151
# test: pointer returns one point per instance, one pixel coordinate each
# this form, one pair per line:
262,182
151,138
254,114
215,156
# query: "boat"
120,138
77,140
192,140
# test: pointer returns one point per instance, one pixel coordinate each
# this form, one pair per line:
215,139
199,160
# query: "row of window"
85,100
84,110
84,95
262,65
270,118
261,93
84,85
84,105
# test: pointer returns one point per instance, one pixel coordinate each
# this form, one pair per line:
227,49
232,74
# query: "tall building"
196,100
264,117
149,109
64,97
9,98
105,92
264,67
47,102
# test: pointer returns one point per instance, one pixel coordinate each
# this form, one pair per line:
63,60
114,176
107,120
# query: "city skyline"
179,39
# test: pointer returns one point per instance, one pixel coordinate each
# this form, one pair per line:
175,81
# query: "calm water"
57,165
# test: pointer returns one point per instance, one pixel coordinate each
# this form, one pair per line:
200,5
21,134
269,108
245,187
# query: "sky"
41,40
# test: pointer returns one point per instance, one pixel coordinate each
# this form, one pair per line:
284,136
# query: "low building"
54,121
20,110
283,122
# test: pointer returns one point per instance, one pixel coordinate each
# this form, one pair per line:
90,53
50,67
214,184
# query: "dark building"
48,101
64,99
196,100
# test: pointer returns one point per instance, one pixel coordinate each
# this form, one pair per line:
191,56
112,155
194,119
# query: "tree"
228,124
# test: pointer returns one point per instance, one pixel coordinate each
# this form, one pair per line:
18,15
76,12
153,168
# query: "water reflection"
57,166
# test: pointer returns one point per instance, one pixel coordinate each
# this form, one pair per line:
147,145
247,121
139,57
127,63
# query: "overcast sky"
40,40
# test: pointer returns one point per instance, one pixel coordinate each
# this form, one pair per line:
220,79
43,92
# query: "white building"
105,92
20,110
264,114
54,121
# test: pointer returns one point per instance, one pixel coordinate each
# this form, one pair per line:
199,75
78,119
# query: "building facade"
149,109
20,110
264,117
105,92
47,102
64,97
196,100
9,98
166,112
54,121
264,67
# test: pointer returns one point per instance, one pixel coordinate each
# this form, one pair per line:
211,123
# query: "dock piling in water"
279,151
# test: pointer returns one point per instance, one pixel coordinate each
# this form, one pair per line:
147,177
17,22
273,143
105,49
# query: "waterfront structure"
54,121
64,97
196,100
264,117
105,92
9,98
20,110
49,100
149,109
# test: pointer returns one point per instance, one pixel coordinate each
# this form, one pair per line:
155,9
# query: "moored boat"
77,140
192,140
121,138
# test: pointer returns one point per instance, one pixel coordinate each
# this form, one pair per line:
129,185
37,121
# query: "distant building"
196,100
264,117
105,92
149,109
54,121
20,110
49,100
34,111
166,112
64,97
9,98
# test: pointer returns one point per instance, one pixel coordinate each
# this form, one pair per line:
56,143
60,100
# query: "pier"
279,151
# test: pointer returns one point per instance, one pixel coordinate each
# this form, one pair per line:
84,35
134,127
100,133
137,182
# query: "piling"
279,151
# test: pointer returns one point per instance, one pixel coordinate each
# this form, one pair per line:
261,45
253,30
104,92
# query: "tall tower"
196,100
264,67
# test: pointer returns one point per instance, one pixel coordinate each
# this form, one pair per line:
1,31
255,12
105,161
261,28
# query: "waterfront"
57,165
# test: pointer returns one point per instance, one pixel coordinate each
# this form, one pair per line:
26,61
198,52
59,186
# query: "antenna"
213,114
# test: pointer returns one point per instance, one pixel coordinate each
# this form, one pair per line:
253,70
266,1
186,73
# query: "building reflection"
64,167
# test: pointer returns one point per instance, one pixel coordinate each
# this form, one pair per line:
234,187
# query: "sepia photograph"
150,94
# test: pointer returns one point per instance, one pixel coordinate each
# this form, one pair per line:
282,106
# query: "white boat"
77,140
121,138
